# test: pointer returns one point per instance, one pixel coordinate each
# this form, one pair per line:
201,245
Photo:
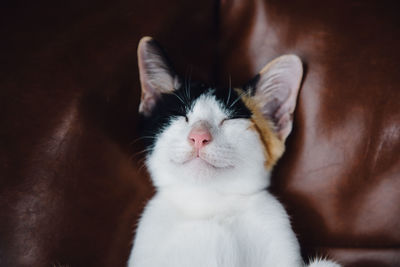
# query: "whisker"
142,138
143,165
186,87
179,98
186,93
237,99
190,81
230,89
148,137
140,152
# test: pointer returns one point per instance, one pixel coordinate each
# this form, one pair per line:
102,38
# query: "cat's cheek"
250,149
238,133
180,156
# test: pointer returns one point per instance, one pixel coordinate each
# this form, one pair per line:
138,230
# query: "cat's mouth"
205,158
203,161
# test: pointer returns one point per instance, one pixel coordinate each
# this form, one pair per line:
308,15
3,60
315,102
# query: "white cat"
210,156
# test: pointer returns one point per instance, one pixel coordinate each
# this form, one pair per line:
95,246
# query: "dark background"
72,182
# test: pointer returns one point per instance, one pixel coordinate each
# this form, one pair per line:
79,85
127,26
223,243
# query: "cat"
210,152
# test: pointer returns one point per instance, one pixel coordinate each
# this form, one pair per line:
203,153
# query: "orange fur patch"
273,145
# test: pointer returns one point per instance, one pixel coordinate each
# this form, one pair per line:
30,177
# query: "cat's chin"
201,163
198,162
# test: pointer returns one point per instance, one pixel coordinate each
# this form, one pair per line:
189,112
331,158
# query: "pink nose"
199,137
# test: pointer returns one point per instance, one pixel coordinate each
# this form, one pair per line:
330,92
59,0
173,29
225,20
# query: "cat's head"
223,138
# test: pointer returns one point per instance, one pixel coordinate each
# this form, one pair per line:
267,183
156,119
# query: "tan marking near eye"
273,146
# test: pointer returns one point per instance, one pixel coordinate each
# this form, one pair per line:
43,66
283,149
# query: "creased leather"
340,176
72,182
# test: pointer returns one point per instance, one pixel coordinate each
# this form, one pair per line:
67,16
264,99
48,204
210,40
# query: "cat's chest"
201,217
224,234
202,237
197,204
214,238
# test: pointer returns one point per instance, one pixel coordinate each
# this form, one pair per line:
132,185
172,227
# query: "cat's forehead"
217,101
208,107
197,101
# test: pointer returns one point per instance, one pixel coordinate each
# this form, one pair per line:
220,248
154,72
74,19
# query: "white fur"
215,211
323,263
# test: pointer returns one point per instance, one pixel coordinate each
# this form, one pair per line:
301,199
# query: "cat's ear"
276,90
156,75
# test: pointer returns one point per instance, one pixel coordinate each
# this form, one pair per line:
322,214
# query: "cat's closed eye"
181,116
224,120
231,119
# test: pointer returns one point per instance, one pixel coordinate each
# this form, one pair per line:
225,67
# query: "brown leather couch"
72,181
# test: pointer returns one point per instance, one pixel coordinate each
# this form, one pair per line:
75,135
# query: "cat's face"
203,136
211,142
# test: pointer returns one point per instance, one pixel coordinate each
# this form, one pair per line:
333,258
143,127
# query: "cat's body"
210,155
240,230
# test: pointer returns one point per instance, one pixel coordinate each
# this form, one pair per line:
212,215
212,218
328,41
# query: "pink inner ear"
277,90
155,75
147,104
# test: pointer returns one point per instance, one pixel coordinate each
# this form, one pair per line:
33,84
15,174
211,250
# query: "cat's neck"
203,202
